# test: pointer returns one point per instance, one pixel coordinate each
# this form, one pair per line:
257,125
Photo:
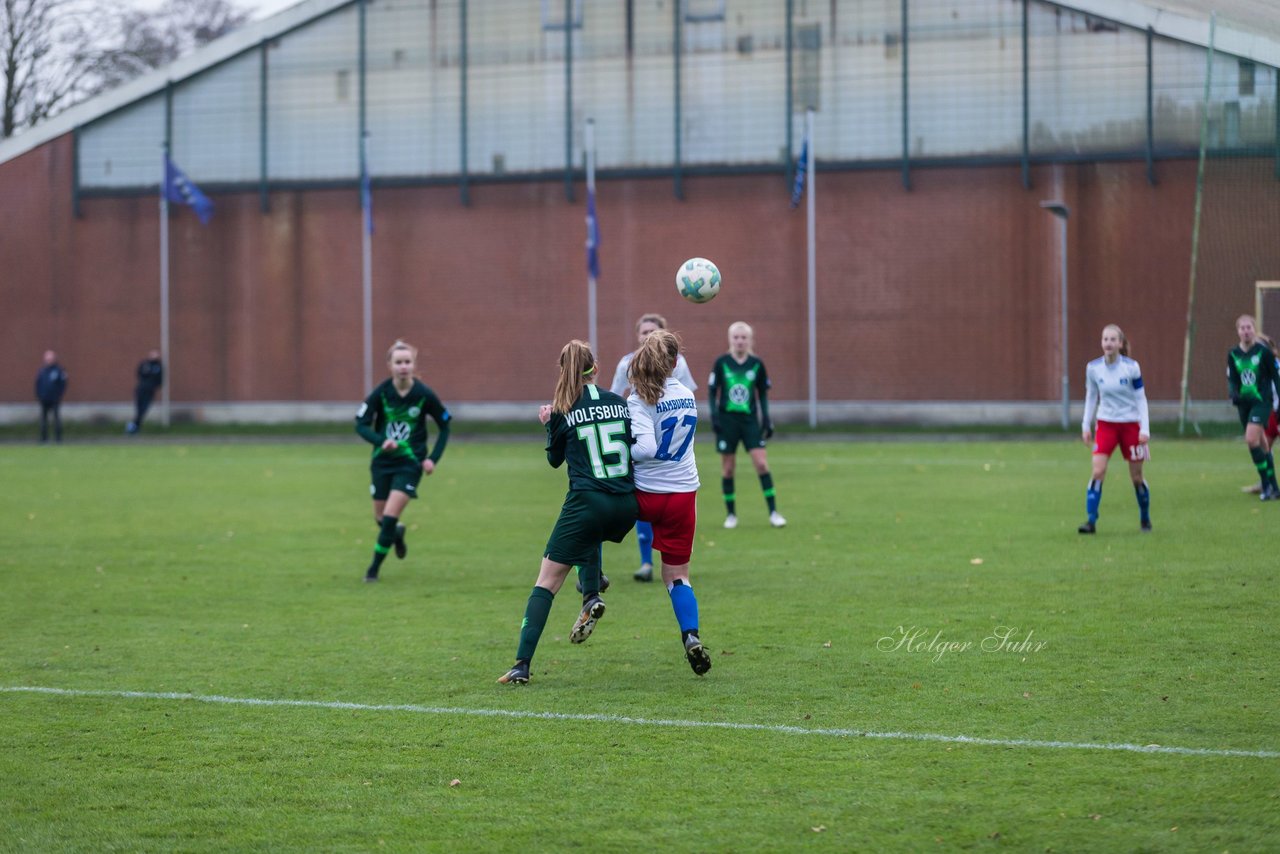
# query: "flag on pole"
180,189
593,235
366,192
802,166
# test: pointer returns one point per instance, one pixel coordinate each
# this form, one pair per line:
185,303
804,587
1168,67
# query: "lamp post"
1062,212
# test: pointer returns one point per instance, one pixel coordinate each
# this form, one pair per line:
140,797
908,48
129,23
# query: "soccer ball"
698,280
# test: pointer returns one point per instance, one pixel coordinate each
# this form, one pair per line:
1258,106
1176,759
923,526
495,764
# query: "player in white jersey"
621,386
1115,396
664,420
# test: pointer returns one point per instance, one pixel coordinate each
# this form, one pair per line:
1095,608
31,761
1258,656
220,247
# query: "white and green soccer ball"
698,280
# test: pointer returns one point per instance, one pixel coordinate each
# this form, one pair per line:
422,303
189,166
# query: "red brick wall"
948,291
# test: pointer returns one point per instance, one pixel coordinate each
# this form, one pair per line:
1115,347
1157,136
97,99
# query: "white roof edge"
217,51
1183,27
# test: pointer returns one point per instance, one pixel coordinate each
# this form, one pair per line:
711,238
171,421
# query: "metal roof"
1249,29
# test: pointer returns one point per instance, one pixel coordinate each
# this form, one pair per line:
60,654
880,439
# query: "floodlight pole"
1062,212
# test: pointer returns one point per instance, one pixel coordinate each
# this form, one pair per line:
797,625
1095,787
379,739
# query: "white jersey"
1114,393
663,452
622,388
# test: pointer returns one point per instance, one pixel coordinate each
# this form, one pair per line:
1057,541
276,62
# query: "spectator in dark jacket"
150,378
51,384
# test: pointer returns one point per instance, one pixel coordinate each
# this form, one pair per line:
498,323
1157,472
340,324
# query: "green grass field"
221,679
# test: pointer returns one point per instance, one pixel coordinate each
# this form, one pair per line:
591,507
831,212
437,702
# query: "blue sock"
1092,499
1144,500
685,604
644,538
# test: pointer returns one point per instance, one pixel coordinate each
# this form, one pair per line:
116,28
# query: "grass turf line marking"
620,719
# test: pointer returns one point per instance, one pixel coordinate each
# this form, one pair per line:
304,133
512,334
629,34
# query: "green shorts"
735,428
1253,412
402,476
586,520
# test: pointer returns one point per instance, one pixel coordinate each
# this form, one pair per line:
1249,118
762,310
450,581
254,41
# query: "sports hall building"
940,129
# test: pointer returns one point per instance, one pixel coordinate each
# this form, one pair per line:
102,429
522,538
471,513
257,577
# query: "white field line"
652,722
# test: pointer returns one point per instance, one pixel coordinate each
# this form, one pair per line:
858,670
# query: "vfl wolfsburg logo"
738,394
398,430
751,375
414,411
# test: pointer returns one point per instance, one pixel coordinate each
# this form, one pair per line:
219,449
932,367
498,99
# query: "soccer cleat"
697,655
1145,525
370,576
604,583
592,611
731,521
1270,493
1087,528
401,548
1252,489
776,520
644,573
518,675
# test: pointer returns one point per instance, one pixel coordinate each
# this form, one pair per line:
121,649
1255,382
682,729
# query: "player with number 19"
664,420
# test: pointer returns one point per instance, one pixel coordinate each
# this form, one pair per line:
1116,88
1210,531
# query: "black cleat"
401,548
1145,525
1087,528
370,576
592,611
518,675
697,655
644,573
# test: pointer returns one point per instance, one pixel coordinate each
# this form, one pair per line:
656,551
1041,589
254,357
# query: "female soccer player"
393,418
644,326
1251,380
738,379
664,419
1114,392
591,430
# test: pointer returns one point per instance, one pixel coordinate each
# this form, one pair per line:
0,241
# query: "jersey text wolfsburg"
594,438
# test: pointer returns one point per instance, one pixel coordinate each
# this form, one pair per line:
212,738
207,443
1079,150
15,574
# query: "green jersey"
735,386
1252,375
594,437
387,414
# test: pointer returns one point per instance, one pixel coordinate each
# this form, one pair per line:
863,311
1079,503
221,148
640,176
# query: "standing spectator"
150,378
51,385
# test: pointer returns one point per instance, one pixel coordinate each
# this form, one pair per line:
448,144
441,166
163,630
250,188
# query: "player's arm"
443,420
645,444
620,385
556,437
684,375
1233,380
365,424
762,392
1144,413
713,396
1090,408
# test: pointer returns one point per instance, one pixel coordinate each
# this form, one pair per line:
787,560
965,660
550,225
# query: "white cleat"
776,520
731,521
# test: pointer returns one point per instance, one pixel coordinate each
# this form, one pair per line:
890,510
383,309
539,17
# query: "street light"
1062,212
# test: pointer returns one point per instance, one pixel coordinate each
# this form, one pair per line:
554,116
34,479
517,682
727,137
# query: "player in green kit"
1252,379
590,430
394,420
738,381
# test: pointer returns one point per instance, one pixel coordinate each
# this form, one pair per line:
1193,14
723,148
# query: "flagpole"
813,271
589,142
366,266
164,285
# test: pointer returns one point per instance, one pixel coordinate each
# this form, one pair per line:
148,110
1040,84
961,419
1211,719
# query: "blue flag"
593,236
802,166
366,195
181,190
